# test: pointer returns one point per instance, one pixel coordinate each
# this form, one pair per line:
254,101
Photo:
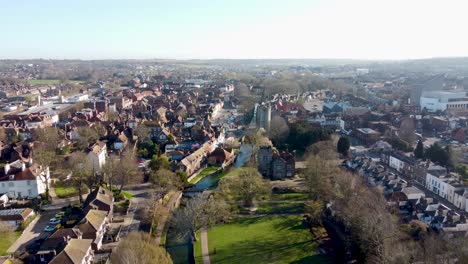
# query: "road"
34,231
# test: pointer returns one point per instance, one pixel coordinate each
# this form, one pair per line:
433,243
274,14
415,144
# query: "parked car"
55,221
60,215
50,228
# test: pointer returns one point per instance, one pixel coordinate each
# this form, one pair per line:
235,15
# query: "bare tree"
279,129
139,248
200,212
407,131
245,186
83,173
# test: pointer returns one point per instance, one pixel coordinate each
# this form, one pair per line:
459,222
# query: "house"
274,165
77,251
97,154
196,160
100,199
93,226
283,166
460,135
400,162
19,179
367,136
445,186
120,143
220,156
14,217
55,244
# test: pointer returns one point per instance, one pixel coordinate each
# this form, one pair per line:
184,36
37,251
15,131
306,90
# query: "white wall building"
444,100
20,180
446,187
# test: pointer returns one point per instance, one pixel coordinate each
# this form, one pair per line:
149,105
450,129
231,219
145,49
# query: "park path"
204,246
171,205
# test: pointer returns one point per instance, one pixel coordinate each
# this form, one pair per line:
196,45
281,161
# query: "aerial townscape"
233,132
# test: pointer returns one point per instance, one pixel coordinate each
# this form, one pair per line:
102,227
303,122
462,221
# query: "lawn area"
261,240
43,82
6,240
65,191
207,171
127,195
49,82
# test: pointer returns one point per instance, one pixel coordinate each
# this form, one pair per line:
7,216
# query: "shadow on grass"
267,251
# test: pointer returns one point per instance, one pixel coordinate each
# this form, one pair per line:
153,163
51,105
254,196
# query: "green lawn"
49,82
66,191
6,240
207,171
261,240
43,82
127,195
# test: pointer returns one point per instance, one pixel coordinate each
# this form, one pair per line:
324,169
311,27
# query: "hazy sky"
202,29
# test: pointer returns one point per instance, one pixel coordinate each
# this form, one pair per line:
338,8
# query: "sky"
233,29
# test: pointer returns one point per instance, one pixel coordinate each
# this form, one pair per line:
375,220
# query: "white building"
446,187
24,180
444,100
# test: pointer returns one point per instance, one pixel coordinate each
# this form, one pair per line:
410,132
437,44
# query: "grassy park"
261,240
43,82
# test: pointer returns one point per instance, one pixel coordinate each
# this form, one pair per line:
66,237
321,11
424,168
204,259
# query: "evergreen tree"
419,150
343,146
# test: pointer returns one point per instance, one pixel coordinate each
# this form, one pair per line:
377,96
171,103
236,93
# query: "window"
28,183
29,192
11,184
3,184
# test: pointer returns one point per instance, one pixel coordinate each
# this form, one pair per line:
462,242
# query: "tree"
138,247
245,186
165,180
49,137
407,131
200,212
314,210
437,154
343,146
127,169
419,150
86,136
159,162
279,129
318,178
83,173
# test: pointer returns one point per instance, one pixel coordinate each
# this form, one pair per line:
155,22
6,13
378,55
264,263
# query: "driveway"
34,231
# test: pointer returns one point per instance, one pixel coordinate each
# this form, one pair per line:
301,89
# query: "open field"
261,240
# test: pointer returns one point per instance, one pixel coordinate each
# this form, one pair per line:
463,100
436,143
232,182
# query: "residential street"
34,231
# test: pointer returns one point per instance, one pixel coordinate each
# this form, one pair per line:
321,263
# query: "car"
60,215
50,228
55,221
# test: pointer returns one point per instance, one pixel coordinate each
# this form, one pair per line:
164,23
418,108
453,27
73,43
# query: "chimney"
23,166
7,168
